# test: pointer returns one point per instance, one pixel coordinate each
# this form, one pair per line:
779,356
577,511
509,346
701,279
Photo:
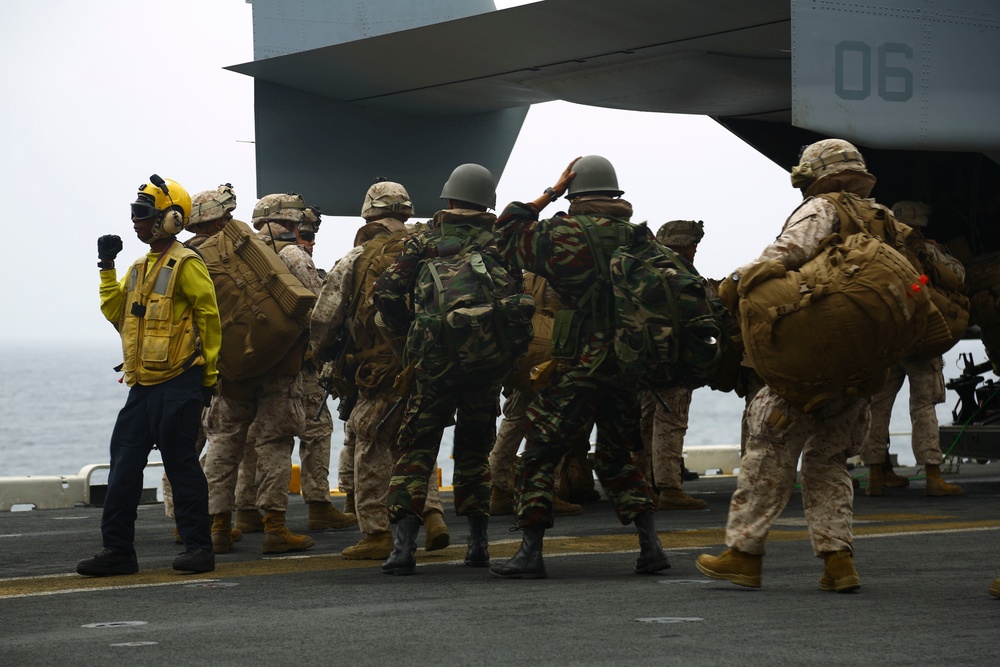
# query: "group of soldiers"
395,412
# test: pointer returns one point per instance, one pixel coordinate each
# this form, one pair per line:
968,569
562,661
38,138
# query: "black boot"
478,553
527,563
403,558
651,555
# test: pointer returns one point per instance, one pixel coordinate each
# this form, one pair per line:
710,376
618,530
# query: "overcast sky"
99,95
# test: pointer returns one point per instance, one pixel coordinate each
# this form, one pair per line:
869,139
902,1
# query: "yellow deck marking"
554,546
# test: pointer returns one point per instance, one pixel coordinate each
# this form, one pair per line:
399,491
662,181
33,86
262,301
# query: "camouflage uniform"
662,456
432,407
779,433
584,387
927,389
370,452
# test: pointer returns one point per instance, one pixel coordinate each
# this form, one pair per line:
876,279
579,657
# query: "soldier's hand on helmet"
207,394
729,294
567,176
108,247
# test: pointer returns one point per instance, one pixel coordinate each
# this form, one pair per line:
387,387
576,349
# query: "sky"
99,95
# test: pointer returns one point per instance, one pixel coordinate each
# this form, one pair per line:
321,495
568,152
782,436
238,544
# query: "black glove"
108,247
207,394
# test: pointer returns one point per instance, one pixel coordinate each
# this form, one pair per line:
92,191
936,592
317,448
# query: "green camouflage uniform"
586,387
432,407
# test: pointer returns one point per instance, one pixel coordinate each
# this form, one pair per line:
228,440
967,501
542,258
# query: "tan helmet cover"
282,208
386,198
681,232
913,213
211,205
824,158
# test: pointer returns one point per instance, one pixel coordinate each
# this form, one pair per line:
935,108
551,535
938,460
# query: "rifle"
337,375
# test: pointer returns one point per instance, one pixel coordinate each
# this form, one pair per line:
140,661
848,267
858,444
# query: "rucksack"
470,316
835,325
540,348
943,287
263,307
668,330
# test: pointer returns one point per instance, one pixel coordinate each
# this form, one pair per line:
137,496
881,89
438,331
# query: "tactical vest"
156,349
369,355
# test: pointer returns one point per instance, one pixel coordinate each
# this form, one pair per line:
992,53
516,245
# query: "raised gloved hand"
207,394
108,247
729,295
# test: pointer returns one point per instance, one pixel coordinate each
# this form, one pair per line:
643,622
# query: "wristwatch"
551,193
735,277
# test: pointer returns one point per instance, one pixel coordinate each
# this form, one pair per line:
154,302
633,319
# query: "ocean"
58,406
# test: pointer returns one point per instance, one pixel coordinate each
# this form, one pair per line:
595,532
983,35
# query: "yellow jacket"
168,319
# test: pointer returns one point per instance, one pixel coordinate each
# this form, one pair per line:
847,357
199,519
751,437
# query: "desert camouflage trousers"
780,433
510,434
375,454
314,439
557,416
662,457
474,408
927,389
270,423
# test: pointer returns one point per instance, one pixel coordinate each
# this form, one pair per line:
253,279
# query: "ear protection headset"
170,222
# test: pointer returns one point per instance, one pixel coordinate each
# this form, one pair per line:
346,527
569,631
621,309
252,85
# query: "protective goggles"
144,211
307,236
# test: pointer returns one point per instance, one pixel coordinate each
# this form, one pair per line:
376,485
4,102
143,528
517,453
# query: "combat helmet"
912,213
825,158
594,174
681,232
210,205
166,201
285,209
386,198
472,183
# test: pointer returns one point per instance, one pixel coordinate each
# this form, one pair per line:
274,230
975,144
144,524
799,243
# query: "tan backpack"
834,326
263,307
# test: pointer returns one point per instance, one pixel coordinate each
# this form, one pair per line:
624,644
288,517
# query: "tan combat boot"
249,521
936,486
891,479
278,539
839,573
876,481
373,546
323,515
435,532
676,499
740,568
236,534
561,507
222,532
501,502
995,588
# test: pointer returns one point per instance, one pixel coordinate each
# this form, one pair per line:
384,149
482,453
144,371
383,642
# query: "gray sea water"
58,407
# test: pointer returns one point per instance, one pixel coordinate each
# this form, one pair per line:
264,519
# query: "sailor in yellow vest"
345,308
665,421
166,313
926,380
780,433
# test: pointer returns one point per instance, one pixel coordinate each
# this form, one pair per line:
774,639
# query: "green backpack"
669,331
471,318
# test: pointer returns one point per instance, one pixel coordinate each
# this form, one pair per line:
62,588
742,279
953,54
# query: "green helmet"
594,174
472,183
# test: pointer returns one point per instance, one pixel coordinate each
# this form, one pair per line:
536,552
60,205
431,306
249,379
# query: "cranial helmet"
913,213
594,174
386,198
826,157
472,183
281,208
211,205
165,200
681,232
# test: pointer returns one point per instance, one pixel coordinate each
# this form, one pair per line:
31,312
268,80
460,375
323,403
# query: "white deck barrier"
52,492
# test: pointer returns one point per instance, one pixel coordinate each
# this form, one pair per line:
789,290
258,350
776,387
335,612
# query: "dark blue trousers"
165,415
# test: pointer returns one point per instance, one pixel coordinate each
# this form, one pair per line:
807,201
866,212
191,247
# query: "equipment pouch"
566,334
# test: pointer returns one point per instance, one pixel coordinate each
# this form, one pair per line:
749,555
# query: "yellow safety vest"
155,348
